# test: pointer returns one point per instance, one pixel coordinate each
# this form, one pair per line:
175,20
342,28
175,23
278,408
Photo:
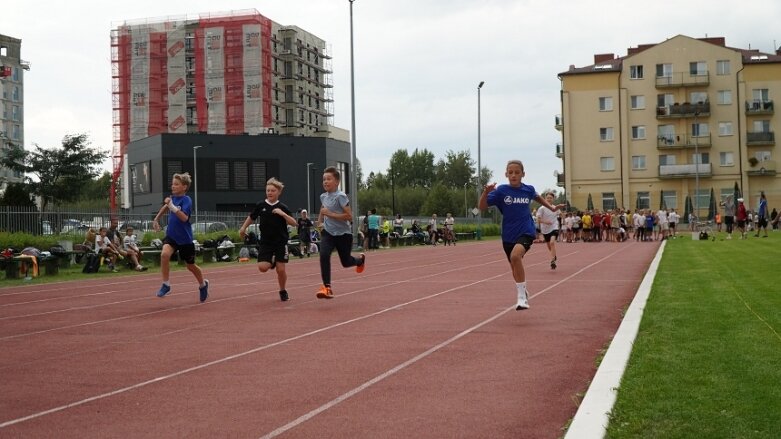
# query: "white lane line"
303,418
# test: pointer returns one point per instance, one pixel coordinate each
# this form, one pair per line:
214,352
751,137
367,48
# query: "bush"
22,240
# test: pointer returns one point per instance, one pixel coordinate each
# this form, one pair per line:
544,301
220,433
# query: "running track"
425,343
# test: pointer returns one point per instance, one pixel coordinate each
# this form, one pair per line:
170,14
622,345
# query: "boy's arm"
483,204
156,220
243,228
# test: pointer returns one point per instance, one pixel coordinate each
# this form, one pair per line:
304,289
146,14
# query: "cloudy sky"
417,64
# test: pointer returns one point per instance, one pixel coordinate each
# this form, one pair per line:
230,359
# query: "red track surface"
425,343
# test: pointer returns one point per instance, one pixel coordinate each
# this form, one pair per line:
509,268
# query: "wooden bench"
401,240
465,235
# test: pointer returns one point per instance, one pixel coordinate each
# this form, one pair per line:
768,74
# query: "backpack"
58,250
91,263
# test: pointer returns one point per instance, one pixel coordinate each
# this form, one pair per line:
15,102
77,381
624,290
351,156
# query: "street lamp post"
697,161
393,191
195,179
308,189
466,208
353,161
479,165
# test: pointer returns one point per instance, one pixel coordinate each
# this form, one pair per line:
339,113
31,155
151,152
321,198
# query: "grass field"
707,360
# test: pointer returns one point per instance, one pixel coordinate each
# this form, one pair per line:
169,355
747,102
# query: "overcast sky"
417,64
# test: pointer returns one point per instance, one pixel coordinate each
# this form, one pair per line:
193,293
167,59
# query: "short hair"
276,183
102,229
183,178
333,171
515,162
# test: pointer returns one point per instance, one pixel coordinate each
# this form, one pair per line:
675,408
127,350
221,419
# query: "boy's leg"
326,248
281,275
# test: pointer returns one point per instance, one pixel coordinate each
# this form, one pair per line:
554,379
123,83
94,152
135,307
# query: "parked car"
46,228
138,226
208,227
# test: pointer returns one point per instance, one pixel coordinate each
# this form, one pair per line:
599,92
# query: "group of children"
108,244
272,217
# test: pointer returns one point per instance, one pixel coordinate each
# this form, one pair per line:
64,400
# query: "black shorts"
762,222
729,220
548,236
524,240
273,253
186,251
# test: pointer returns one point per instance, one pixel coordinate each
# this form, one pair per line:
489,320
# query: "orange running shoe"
325,293
360,268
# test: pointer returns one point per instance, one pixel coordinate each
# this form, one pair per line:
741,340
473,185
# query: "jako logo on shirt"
508,200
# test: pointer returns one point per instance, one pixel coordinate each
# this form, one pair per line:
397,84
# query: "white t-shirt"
662,215
101,243
547,219
129,241
449,221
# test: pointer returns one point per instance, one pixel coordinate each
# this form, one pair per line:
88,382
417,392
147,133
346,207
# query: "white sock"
521,287
166,283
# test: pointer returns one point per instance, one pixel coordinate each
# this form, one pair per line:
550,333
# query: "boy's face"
177,188
514,174
129,232
330,183
272,193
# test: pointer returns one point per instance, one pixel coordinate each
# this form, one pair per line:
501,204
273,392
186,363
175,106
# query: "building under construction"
236,73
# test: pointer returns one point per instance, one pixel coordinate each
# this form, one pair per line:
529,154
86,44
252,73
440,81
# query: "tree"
17,194
60,172
456,169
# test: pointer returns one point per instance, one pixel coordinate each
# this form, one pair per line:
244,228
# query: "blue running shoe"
165,289
204,290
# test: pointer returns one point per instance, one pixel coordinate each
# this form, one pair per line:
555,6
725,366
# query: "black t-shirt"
304,227
273,228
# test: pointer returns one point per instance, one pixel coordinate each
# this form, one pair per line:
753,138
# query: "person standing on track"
335,216
273,218
549,226
514,202
179,235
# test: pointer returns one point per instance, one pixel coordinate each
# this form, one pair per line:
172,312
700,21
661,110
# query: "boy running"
335,216
274,217
549,227
179,235
513,201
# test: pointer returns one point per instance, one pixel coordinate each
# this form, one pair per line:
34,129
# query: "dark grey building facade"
232,170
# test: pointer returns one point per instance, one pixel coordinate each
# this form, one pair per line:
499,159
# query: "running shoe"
164,289
523,302
204,290
325,293
553,263
283,295
360,267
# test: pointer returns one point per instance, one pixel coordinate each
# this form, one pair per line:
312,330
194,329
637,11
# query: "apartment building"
234,73
12,69
677,124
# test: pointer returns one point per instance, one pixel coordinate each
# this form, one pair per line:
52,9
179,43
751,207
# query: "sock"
167,283
521,286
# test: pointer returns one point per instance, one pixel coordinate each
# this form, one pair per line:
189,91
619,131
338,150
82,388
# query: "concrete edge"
592,416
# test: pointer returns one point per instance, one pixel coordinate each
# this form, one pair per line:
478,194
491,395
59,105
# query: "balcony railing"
763,168
683,80
761,138
559,150
683,141
684,171
759,107
683,110
559,122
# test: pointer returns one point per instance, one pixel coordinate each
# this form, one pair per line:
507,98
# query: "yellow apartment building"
687,119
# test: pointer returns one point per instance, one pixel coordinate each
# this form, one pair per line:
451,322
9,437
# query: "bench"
465,235
22,264
401,240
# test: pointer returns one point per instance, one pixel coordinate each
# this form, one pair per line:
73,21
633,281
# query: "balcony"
758,107
685,171
761,138
559,150
682,142
560,180
763,168
678,111
559,122
683,80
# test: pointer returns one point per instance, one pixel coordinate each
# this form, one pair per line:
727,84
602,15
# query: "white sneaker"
523,301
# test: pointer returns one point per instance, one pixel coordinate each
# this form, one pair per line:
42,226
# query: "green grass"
707,360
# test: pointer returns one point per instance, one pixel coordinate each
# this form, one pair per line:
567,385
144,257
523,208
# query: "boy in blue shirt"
518,232
179,235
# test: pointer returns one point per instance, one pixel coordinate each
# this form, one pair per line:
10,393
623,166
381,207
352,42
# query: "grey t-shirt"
335,202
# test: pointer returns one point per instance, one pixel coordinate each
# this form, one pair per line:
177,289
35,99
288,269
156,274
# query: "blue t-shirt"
515,205
335,202
762,208
181,232
374,222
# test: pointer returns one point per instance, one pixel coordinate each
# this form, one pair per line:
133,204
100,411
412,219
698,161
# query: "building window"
700,129
635,72
638,162
701,158
638,132
664,100
761,126
670,199
722,67
698,68
664,70
258,176
221,176
643,200
607,164
637,102
16,73
605,104
15,113
606,134
725,128
240,175
760,96
290,120
666,160
726,159
608,200
762,155
724,97
698,96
